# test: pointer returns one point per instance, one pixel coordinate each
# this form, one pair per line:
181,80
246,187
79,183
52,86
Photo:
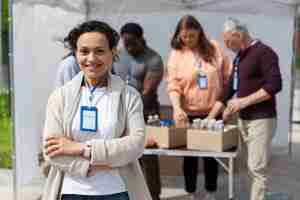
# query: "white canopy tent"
92,7
39,24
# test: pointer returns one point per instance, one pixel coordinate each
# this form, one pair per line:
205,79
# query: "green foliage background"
5,131
5,119
5,30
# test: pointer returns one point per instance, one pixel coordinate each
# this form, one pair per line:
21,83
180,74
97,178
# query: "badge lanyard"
89,114
129,76
236,63
202,80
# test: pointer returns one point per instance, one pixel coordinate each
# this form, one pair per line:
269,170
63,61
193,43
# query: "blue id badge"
235,80
202,81
236,63
88,118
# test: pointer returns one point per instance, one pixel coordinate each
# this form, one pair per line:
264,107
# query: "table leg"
230,178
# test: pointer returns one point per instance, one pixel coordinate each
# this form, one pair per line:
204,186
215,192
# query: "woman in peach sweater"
198,71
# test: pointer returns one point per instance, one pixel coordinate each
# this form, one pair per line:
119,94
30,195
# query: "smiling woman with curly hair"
94,128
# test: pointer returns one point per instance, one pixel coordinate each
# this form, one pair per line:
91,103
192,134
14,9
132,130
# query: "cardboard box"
167,137
209,140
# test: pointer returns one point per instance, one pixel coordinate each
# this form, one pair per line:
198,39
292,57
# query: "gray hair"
232,24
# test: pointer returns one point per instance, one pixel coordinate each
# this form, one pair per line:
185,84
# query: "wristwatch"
87,149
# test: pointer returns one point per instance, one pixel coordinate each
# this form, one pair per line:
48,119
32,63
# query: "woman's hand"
151,142
55,146
180,117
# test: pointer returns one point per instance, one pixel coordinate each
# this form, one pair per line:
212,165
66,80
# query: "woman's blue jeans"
118,196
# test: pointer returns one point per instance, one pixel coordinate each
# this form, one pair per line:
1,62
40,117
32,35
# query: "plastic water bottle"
156,120
219,126
166,122
211,124
204,123
195,124
150,119
153,120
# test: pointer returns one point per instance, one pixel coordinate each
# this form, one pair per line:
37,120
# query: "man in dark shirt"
142,67
254,82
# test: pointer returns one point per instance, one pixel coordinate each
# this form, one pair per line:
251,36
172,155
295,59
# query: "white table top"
188,152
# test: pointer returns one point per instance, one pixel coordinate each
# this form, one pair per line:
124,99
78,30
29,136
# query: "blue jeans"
118,196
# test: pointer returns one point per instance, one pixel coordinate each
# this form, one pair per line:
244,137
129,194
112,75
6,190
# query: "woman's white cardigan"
121,152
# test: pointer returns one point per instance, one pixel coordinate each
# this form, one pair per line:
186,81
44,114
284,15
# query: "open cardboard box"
210,140
167,136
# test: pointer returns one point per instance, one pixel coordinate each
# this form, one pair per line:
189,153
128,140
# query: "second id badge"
235,80
88,118
202,81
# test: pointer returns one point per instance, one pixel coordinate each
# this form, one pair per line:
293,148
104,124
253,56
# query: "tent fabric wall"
35,31
267,7
38,24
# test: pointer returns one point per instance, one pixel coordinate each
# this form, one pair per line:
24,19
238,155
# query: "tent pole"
88,10
12,98
1,58
294,62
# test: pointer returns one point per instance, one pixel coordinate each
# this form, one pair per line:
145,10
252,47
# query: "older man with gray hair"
254,83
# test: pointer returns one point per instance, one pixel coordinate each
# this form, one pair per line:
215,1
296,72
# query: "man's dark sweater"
258,68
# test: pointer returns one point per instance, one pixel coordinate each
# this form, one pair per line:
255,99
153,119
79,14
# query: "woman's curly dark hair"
91,26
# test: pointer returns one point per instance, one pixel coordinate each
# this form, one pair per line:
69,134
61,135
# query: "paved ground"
285,182
284,185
